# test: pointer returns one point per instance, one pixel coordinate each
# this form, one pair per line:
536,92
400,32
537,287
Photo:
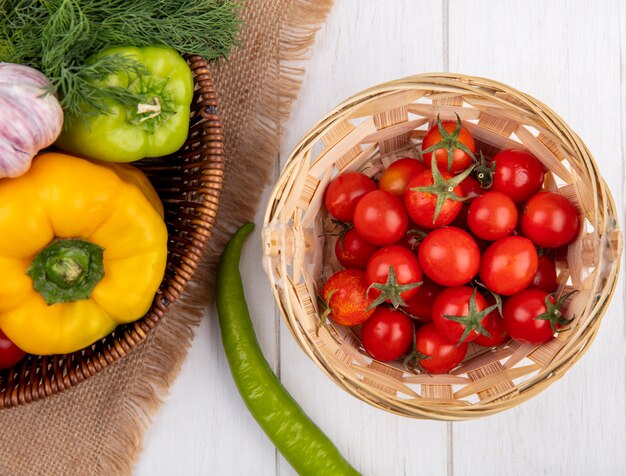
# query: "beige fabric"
97,427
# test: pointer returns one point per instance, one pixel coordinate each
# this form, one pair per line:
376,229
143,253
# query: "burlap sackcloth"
97,427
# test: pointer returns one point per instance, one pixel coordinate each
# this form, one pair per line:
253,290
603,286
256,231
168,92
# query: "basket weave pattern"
367,133
189,183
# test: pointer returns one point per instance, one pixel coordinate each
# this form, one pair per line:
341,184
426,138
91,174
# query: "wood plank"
204,425
567,55
362,44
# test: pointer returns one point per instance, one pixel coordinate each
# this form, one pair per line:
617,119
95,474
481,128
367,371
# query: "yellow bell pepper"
83,248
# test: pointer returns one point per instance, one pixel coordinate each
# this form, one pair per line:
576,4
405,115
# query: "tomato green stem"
327,311
496,296
391,290
484,172
412,360
443,189
345,228
473,320
449,141
554,312
300,441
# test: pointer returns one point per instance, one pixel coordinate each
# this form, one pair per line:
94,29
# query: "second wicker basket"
367,133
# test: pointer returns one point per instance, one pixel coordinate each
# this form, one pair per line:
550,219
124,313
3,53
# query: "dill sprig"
58,36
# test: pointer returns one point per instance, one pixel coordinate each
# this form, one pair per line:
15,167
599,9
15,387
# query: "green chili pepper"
301,442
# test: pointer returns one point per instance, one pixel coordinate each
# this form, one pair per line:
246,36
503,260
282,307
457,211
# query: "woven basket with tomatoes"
443,246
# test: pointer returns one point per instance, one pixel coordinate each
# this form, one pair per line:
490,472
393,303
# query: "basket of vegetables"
442,246
110,178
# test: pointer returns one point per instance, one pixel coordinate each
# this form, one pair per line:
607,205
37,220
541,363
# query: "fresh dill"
58,36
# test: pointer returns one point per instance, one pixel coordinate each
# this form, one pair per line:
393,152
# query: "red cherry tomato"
345,292
420,205
494,325
518,174
492,216
471,188
461,219
550,220
380,218
344,192
449,256
442,355
397,176
10,354
509,265
387,335
406,270
420,306
545,277
527,319
352,250
460,159
456,302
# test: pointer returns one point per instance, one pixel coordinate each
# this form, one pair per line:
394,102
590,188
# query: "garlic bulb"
30,117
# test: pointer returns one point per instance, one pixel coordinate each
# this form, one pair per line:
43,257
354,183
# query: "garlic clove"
31,117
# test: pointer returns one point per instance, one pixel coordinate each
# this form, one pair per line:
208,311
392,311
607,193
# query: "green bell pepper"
151,121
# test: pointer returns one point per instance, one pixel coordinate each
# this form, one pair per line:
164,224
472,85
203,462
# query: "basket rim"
446,82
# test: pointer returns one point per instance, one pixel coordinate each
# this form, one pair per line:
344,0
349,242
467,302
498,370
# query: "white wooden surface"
569,54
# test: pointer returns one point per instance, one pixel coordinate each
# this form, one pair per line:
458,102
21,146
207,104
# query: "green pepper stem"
154,109
67,270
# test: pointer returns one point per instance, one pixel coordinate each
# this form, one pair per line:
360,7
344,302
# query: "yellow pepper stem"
67,270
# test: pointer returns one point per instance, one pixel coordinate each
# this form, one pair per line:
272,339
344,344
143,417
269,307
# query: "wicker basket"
189,183
367,133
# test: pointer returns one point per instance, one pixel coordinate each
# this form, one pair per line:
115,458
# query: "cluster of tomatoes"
447,250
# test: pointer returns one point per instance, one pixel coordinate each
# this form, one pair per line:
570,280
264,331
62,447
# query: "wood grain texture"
565,53
204,427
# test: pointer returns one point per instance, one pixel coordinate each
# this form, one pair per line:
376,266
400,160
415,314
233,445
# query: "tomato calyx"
443,189
417,233
495,295
327,310
345,228
449,141
391,290
484,172
415,236
473,320
553,312
412,360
